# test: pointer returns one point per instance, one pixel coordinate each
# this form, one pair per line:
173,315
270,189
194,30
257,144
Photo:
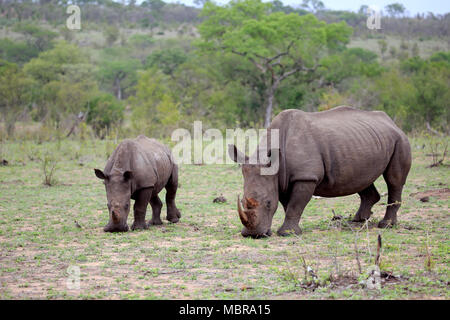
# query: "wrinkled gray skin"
139,169
332,153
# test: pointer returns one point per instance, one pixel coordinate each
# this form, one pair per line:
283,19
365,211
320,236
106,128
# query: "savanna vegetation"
67,98
150,67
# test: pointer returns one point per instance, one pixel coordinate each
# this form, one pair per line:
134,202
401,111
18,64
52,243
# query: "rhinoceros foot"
287,230
139,226
155,222
173,215
388,223
362,216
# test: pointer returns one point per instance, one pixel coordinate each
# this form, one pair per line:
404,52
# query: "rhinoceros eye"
268,203
126,206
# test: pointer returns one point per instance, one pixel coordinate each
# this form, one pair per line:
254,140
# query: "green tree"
15,88
279,45
396,94
166,60
64,79
141,41
395,9
313,5
383,47
349,63
415,50
104,111
17,51
431,81
150,89
119,75
111,34
155,5
36,36
50,65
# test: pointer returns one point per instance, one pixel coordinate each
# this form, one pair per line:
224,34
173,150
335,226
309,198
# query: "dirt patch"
443,193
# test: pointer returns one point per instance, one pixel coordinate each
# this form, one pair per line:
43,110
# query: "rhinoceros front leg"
298,199
156,204
140,208
173,214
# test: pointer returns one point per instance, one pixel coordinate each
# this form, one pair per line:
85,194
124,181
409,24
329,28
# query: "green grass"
204,255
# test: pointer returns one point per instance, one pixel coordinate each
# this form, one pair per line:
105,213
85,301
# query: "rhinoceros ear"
273,156
127,175
236,155
99,173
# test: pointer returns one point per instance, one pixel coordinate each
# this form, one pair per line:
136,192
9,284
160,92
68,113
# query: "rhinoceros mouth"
246,233
116,228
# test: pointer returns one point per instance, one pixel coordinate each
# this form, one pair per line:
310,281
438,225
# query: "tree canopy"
276,43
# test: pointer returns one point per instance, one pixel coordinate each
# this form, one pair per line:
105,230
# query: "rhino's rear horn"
250,203
115,216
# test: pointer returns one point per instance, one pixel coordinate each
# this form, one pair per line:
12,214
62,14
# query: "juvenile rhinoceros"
332,153
139,169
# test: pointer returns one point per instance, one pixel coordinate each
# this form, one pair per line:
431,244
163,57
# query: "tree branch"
284,53
244,54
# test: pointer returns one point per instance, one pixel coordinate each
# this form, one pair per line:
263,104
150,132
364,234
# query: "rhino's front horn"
242,214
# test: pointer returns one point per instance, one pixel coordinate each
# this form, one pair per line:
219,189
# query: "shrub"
104,111
49,164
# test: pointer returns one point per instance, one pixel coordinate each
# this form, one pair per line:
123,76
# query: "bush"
104,111
49,163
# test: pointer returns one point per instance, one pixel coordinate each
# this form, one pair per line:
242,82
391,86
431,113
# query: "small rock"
425,199
220,199
373,282
245,288
77,224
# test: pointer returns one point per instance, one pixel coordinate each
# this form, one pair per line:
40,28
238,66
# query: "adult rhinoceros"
332,153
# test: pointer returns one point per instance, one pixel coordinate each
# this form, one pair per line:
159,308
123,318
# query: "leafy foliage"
253,59
104,111
15,89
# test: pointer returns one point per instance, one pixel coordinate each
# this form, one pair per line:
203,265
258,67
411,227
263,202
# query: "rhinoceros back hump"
148,160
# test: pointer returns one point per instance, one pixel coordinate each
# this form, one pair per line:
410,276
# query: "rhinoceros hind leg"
156,204
173,214
394,202
369,197
395,176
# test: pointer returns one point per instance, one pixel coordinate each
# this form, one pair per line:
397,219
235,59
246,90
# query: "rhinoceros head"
260,200
118,194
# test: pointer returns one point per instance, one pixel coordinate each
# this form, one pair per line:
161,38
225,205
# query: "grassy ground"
204,256
426,47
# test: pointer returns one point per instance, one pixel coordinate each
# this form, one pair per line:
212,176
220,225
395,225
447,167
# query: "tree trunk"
10,126
118,89
269,106
10,123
